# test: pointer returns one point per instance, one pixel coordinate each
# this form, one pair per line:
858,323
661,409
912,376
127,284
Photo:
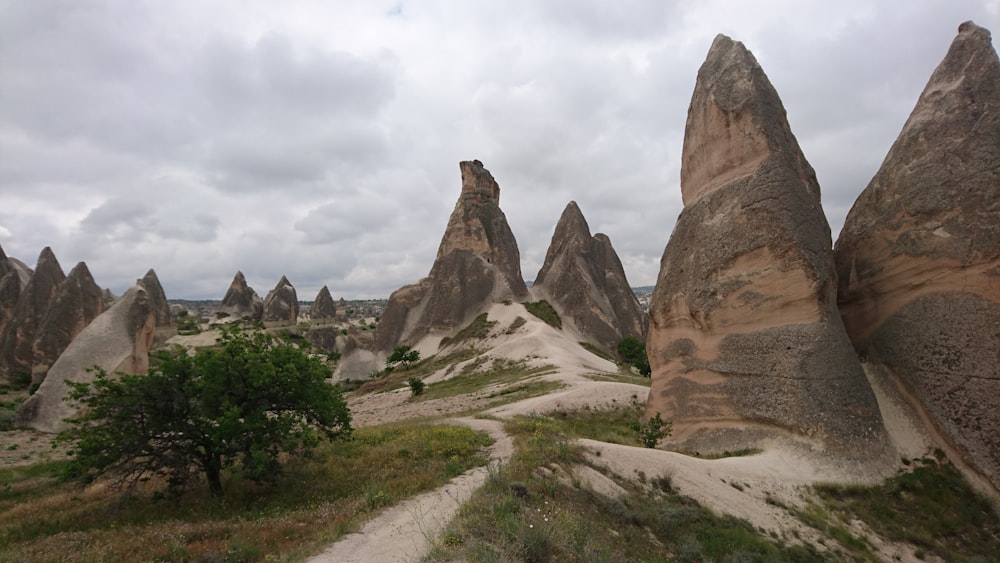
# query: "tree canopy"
632,351
236,406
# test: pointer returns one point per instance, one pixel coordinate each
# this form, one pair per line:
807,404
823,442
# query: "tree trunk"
213,474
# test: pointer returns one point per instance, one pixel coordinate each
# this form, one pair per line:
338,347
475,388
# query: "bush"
403,355
416,386
651,431
632,352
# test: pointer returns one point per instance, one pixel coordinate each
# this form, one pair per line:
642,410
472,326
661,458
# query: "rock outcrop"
323,306
919,255
745,340
17,340
157,298
77,301
241,301
282,303
477,264
583,279
117,341
10,289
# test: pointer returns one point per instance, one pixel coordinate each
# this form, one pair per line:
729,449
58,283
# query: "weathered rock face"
157,298
10,289
323,306
17,340
745,340
77,301
919,255
477,264
583,279
241,301
282,303
117,341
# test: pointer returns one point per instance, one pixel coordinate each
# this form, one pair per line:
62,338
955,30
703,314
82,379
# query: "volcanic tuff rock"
477,264
282,303
323,306
583,279
10,289
745,340
77,301
16,342
919,255
241,301
157,298
117,341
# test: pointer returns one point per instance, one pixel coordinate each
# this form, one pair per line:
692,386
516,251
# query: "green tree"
237,406
632,351
404,355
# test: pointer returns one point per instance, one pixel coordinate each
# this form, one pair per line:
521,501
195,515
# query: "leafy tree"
653,429
404,355
632,351
237,406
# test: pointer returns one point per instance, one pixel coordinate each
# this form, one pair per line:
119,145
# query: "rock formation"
77,301
241,301
157,298
117,341
477,264
919,255
323,307
583,279
341,310
745,340
282,303
10,289
16,342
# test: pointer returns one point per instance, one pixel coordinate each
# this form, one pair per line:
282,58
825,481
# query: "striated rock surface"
919,255
77,301
323,306
241,301
157,298
477,263
117,341
17,340
745,341
10,289
583,279
282,303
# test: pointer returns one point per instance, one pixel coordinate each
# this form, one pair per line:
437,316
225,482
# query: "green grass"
624,376
543,310
315,502
478,329
598,352
477,375
616,426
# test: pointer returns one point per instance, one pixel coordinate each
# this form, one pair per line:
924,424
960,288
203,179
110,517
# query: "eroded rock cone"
241,301
10,289
157,298
282,303
745,340
117,341
77,301
477,263
323,306
17,340
919,255
583,279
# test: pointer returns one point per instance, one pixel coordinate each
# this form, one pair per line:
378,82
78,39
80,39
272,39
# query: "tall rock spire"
919,255
16,342
745,340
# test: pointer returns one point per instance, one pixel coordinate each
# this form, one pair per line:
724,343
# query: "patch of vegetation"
543,310
620,377
187,326
930,506
312,504
478,329
403,356
475,376
416,386
597,351
615,426
654,429
526,513
515,324
632,352
521,391
383,381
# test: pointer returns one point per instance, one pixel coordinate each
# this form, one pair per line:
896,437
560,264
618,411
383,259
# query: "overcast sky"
321,140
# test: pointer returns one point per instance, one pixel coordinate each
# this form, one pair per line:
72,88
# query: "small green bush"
632,352
402,355
543,310
651,431
416,386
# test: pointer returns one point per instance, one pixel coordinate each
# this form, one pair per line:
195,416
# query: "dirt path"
405,532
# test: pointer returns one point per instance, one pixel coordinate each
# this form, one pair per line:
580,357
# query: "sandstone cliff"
16,342
117,341
77,301
583,279
282,303
919,255
241,301
477,263
745,340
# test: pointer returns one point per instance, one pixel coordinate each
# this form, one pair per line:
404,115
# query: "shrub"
651,431
632,352
416,386
402,355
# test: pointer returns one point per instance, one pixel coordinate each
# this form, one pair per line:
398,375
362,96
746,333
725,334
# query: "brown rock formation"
17,340
919,255
117,341
77,301
157,298
583,279
282,303
477,264
10,289
241,301
323,306
745,340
